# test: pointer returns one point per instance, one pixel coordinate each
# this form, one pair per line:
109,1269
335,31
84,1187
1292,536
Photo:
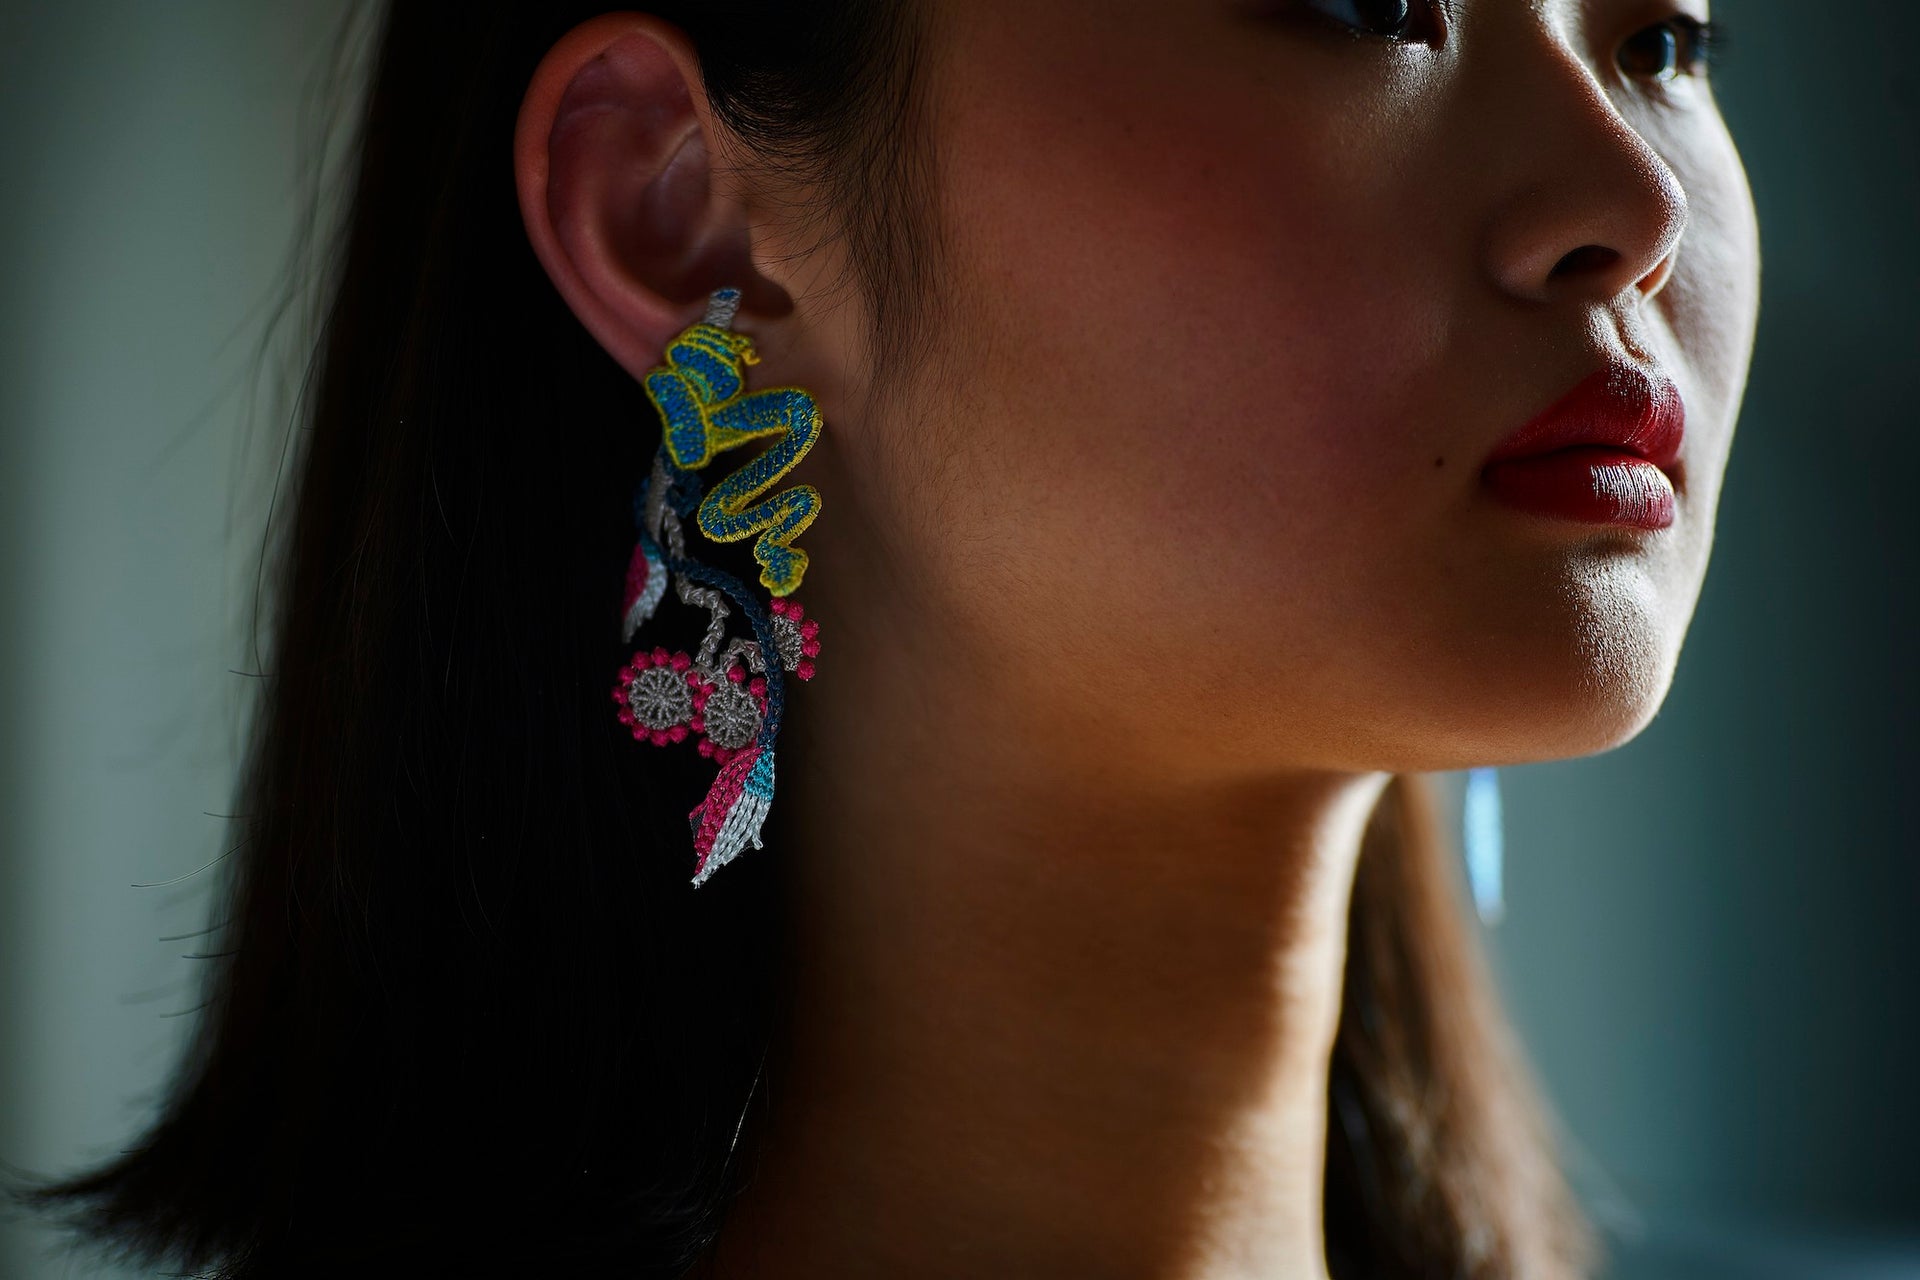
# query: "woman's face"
1237,298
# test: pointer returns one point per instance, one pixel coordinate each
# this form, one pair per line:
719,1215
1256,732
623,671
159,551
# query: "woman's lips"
1597,455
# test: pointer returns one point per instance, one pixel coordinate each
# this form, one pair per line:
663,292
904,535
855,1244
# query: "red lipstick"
1601,454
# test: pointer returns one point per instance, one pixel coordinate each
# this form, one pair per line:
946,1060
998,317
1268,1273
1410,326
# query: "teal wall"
147,192
1719,988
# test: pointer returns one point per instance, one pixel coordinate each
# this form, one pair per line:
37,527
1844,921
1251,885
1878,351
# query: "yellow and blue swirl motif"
704,408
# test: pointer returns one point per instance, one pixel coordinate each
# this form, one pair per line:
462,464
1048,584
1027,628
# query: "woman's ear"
614,163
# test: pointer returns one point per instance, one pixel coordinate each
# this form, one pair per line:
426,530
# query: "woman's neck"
1049,1016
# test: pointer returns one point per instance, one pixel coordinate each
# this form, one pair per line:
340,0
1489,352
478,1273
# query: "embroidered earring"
729,700
1480,819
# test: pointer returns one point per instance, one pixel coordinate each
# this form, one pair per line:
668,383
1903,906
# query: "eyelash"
1702,45
1420,11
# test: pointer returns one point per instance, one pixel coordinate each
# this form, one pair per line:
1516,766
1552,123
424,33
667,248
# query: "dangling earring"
1480,820
729,699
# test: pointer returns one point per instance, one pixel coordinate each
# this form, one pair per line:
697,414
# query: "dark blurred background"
1711,941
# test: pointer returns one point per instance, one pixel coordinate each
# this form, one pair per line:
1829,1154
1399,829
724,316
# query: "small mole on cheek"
1440,462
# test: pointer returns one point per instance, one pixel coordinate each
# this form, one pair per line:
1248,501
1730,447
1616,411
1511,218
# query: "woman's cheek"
1709,309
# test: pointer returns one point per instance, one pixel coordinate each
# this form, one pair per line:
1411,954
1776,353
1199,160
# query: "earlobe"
614,172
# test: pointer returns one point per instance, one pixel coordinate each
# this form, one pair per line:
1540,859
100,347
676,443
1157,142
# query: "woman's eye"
1681,45
1387,19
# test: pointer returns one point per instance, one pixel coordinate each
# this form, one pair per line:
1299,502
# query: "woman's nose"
1584,208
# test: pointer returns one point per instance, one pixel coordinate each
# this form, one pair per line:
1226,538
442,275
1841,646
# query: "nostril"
1587,258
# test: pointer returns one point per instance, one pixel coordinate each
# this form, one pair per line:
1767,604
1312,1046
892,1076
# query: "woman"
1233,410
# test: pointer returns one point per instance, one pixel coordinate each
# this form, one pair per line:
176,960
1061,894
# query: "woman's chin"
1590,709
